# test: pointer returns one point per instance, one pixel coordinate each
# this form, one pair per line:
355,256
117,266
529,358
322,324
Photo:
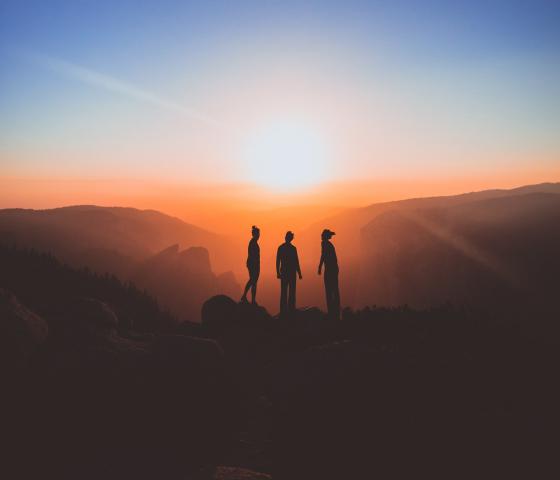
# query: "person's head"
289,236
255,232
327,234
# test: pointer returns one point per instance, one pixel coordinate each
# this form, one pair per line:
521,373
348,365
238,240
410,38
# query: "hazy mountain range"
375,243
464,249
132,244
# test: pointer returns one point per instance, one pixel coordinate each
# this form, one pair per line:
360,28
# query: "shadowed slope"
353,247
485,253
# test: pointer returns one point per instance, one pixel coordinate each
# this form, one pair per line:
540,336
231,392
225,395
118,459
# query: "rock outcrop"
21,331
183,279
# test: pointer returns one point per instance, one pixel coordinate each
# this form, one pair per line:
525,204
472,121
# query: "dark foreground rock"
393,393
21,332
97,405
235,473
382,393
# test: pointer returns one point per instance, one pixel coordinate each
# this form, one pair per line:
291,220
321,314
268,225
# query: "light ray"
467,248
112,84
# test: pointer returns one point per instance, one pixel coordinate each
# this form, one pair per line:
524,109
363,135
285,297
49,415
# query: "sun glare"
286,155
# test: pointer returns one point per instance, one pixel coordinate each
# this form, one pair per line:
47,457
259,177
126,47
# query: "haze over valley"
420,252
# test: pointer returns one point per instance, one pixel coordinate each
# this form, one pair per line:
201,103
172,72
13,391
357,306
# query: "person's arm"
322,260
297,266
278,263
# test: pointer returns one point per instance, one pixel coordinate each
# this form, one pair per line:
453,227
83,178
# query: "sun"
286,155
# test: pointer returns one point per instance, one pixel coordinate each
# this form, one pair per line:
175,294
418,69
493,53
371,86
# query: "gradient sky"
223,91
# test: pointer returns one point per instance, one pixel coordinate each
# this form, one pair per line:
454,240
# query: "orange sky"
220,207
264,104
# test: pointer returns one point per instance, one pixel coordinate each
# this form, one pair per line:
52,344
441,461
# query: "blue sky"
467,86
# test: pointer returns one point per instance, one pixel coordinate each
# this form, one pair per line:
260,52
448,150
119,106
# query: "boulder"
218,312
221,313
21,330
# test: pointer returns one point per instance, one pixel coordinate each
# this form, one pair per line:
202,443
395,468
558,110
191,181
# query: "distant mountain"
486,252
373,245
352,246
349,222
128,243
88,235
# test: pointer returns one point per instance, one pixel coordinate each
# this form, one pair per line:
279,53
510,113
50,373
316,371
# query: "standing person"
328,258
287,265
253,265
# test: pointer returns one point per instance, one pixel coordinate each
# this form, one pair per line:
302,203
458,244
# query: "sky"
111,101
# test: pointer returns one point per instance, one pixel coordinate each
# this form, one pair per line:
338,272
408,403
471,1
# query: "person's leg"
255,278
254,292
247,287
336,297
283,295
292,300
327,292
333,297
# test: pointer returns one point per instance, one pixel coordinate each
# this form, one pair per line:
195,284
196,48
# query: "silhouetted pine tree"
45,285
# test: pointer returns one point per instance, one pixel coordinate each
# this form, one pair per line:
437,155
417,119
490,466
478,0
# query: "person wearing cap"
329,260
253,265
287,265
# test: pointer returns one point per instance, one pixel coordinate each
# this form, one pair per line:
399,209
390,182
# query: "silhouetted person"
253,265
287,265
328,258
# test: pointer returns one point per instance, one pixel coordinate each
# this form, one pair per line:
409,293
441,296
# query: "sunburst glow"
286,155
